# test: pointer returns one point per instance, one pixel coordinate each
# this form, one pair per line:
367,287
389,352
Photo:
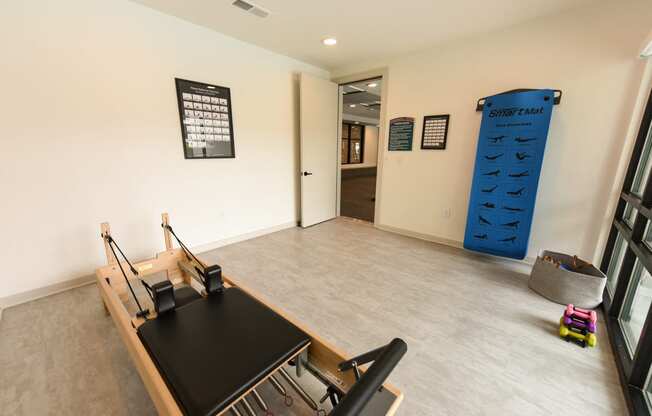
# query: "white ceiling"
366,100
365,29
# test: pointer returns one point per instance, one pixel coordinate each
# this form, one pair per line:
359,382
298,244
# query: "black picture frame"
437,122
220,148
401,134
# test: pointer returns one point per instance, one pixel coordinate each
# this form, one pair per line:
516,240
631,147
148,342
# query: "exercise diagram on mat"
508,162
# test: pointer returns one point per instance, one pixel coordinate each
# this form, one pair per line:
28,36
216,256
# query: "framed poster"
401,132
206,120
435,132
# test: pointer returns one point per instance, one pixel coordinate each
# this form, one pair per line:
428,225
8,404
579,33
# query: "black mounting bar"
386,358
481,101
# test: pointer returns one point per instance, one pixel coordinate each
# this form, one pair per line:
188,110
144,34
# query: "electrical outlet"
446,213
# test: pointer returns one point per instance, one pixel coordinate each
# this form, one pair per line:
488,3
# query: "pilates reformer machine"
210,343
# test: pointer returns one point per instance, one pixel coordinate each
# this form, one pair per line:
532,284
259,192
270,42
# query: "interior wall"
370,155
590,53
91,133
644,92
646,49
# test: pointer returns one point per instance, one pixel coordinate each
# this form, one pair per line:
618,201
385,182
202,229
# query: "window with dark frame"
627,262
352,143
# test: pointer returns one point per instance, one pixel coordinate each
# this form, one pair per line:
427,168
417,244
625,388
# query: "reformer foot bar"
210,342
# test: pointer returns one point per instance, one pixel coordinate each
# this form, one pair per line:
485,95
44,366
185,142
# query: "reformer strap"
148,289
211,276
111,242
183,246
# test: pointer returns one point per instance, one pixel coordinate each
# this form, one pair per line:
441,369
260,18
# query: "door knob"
307,173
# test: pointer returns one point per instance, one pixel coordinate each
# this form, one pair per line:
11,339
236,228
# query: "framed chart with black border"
401,132
206,120
435,132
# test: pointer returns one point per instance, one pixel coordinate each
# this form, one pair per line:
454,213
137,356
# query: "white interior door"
318,120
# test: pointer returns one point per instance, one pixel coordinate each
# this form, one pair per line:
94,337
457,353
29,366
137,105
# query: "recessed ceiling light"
372,85
352,105
329,41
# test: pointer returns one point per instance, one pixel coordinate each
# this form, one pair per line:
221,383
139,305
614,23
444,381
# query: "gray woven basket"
583,289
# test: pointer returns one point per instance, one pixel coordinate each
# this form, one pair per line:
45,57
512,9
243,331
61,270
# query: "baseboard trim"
243,237
523,266
421,236
41,292
59,287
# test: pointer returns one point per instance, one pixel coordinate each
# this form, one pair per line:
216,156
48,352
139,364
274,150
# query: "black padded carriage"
211,351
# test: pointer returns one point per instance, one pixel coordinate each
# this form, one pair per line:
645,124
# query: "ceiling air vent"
251,8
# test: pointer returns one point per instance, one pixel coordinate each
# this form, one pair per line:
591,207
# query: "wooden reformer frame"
321,355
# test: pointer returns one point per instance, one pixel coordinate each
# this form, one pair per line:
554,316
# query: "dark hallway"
359,148
358,193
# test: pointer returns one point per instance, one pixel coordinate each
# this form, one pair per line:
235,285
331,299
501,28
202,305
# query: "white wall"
370,157
91,133
644,92
589,53
646,49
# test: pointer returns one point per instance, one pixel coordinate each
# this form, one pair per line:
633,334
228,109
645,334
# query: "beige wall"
590,54
645,89
646,49
370,149
91,133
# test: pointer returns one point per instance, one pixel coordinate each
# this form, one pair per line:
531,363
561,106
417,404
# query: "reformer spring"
261,403
281,390
301,392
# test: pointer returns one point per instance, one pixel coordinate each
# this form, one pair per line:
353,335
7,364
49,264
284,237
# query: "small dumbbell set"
578,325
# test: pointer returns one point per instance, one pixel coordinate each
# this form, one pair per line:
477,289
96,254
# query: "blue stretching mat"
508,162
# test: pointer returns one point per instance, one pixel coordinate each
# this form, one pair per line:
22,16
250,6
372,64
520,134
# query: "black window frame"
633,371
363,129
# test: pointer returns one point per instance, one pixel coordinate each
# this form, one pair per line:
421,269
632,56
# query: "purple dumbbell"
579,323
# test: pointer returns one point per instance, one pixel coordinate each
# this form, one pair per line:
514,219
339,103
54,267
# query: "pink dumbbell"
573,312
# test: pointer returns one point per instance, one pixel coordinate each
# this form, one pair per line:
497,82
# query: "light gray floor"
480,342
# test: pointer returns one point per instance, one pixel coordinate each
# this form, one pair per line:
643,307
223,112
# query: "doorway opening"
360,115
